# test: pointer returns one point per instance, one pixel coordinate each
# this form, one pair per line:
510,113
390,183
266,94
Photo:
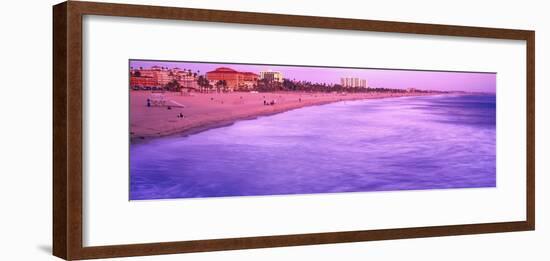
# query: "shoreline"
231,113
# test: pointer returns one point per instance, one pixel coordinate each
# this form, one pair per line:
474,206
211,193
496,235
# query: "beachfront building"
353,82
158,77
145,81
187,80
234,80
154,77
159,74
249,80
271,76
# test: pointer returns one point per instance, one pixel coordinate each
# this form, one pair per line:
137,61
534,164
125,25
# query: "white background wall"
25,132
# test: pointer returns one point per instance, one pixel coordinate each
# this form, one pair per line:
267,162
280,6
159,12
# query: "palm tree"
203,82
173,85
224,85
218,84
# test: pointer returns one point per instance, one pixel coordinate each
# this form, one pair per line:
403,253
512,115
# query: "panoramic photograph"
203,129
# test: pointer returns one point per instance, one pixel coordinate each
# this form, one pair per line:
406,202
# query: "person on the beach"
148,102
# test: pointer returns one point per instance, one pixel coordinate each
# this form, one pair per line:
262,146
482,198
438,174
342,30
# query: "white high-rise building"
271,76
353,82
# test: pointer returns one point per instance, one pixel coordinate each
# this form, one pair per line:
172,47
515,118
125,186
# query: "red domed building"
235,80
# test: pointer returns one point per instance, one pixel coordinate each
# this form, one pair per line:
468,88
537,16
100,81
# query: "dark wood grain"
67,129
297,240
59,247
74,129
530,130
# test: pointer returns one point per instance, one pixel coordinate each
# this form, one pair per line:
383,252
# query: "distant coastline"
190,114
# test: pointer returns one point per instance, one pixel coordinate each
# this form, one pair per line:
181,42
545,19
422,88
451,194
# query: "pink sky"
385,78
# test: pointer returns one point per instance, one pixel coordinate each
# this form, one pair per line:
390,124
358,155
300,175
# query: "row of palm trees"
307,86
265,85
205,86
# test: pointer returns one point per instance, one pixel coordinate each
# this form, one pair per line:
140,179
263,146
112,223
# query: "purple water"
412,143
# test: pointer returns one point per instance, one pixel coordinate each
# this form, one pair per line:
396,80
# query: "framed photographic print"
186,130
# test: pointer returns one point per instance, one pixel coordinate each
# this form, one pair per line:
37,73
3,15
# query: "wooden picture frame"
68,118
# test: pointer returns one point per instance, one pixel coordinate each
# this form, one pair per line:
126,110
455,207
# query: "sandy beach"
202,111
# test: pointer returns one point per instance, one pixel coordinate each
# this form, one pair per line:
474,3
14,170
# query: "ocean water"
409,143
